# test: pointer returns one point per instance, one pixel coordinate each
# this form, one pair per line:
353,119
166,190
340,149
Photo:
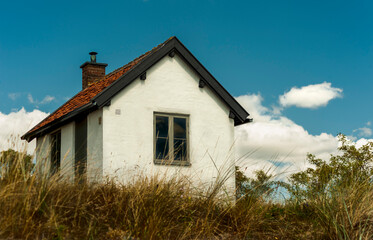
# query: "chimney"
92,71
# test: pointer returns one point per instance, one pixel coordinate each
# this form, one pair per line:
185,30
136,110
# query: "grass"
33,206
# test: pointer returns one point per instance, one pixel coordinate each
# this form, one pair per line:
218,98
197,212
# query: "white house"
162,113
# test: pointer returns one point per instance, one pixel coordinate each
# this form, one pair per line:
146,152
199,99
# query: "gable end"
174,46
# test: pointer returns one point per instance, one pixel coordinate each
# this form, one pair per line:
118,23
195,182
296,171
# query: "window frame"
55,168
171,160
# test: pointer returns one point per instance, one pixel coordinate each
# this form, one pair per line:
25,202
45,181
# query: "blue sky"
264,48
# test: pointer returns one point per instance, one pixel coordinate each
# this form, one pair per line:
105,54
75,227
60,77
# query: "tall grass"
35,206
346,213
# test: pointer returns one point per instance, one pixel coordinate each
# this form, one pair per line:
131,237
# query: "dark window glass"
162,148
180,128
56,152
162,126
180,150
161,151
180,136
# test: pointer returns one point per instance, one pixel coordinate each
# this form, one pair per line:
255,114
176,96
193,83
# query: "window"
171,141
55,152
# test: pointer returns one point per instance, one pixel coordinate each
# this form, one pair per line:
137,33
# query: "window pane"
161,151
161,128
56,152
179,128
180,151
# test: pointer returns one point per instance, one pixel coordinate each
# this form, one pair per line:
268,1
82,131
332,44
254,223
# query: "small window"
171,139
55,152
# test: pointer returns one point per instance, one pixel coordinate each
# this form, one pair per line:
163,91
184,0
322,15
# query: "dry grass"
37,207
347,213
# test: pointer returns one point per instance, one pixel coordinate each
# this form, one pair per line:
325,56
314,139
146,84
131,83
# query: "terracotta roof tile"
86,95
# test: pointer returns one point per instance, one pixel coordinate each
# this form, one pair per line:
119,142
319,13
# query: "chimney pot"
93,56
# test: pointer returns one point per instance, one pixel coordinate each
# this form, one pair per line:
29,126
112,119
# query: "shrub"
339,191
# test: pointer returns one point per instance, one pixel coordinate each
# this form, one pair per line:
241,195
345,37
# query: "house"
162,113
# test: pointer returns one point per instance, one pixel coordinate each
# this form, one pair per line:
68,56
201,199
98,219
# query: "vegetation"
15,164
331,200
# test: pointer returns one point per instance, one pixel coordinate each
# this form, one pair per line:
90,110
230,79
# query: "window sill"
172,163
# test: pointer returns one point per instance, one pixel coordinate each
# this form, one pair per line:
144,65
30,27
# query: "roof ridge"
134,60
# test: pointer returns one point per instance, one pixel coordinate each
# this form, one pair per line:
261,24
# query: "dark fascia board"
247,120
174,44
84,110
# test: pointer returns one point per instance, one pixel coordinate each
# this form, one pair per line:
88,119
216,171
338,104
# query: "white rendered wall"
43,154
67,151
94,146
171,86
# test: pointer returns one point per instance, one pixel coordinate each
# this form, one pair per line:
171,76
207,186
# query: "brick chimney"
92,71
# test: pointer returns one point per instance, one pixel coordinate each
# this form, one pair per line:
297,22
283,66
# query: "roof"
100,93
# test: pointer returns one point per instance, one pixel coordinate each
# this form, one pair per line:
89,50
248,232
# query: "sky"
302,69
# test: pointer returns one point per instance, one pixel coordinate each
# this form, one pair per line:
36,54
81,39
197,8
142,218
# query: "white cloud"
47,99
14,96
311,96
14,125
363,132
30,98
362,141
276,142
253,104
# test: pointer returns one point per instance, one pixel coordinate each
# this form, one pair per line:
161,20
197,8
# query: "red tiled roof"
86,95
